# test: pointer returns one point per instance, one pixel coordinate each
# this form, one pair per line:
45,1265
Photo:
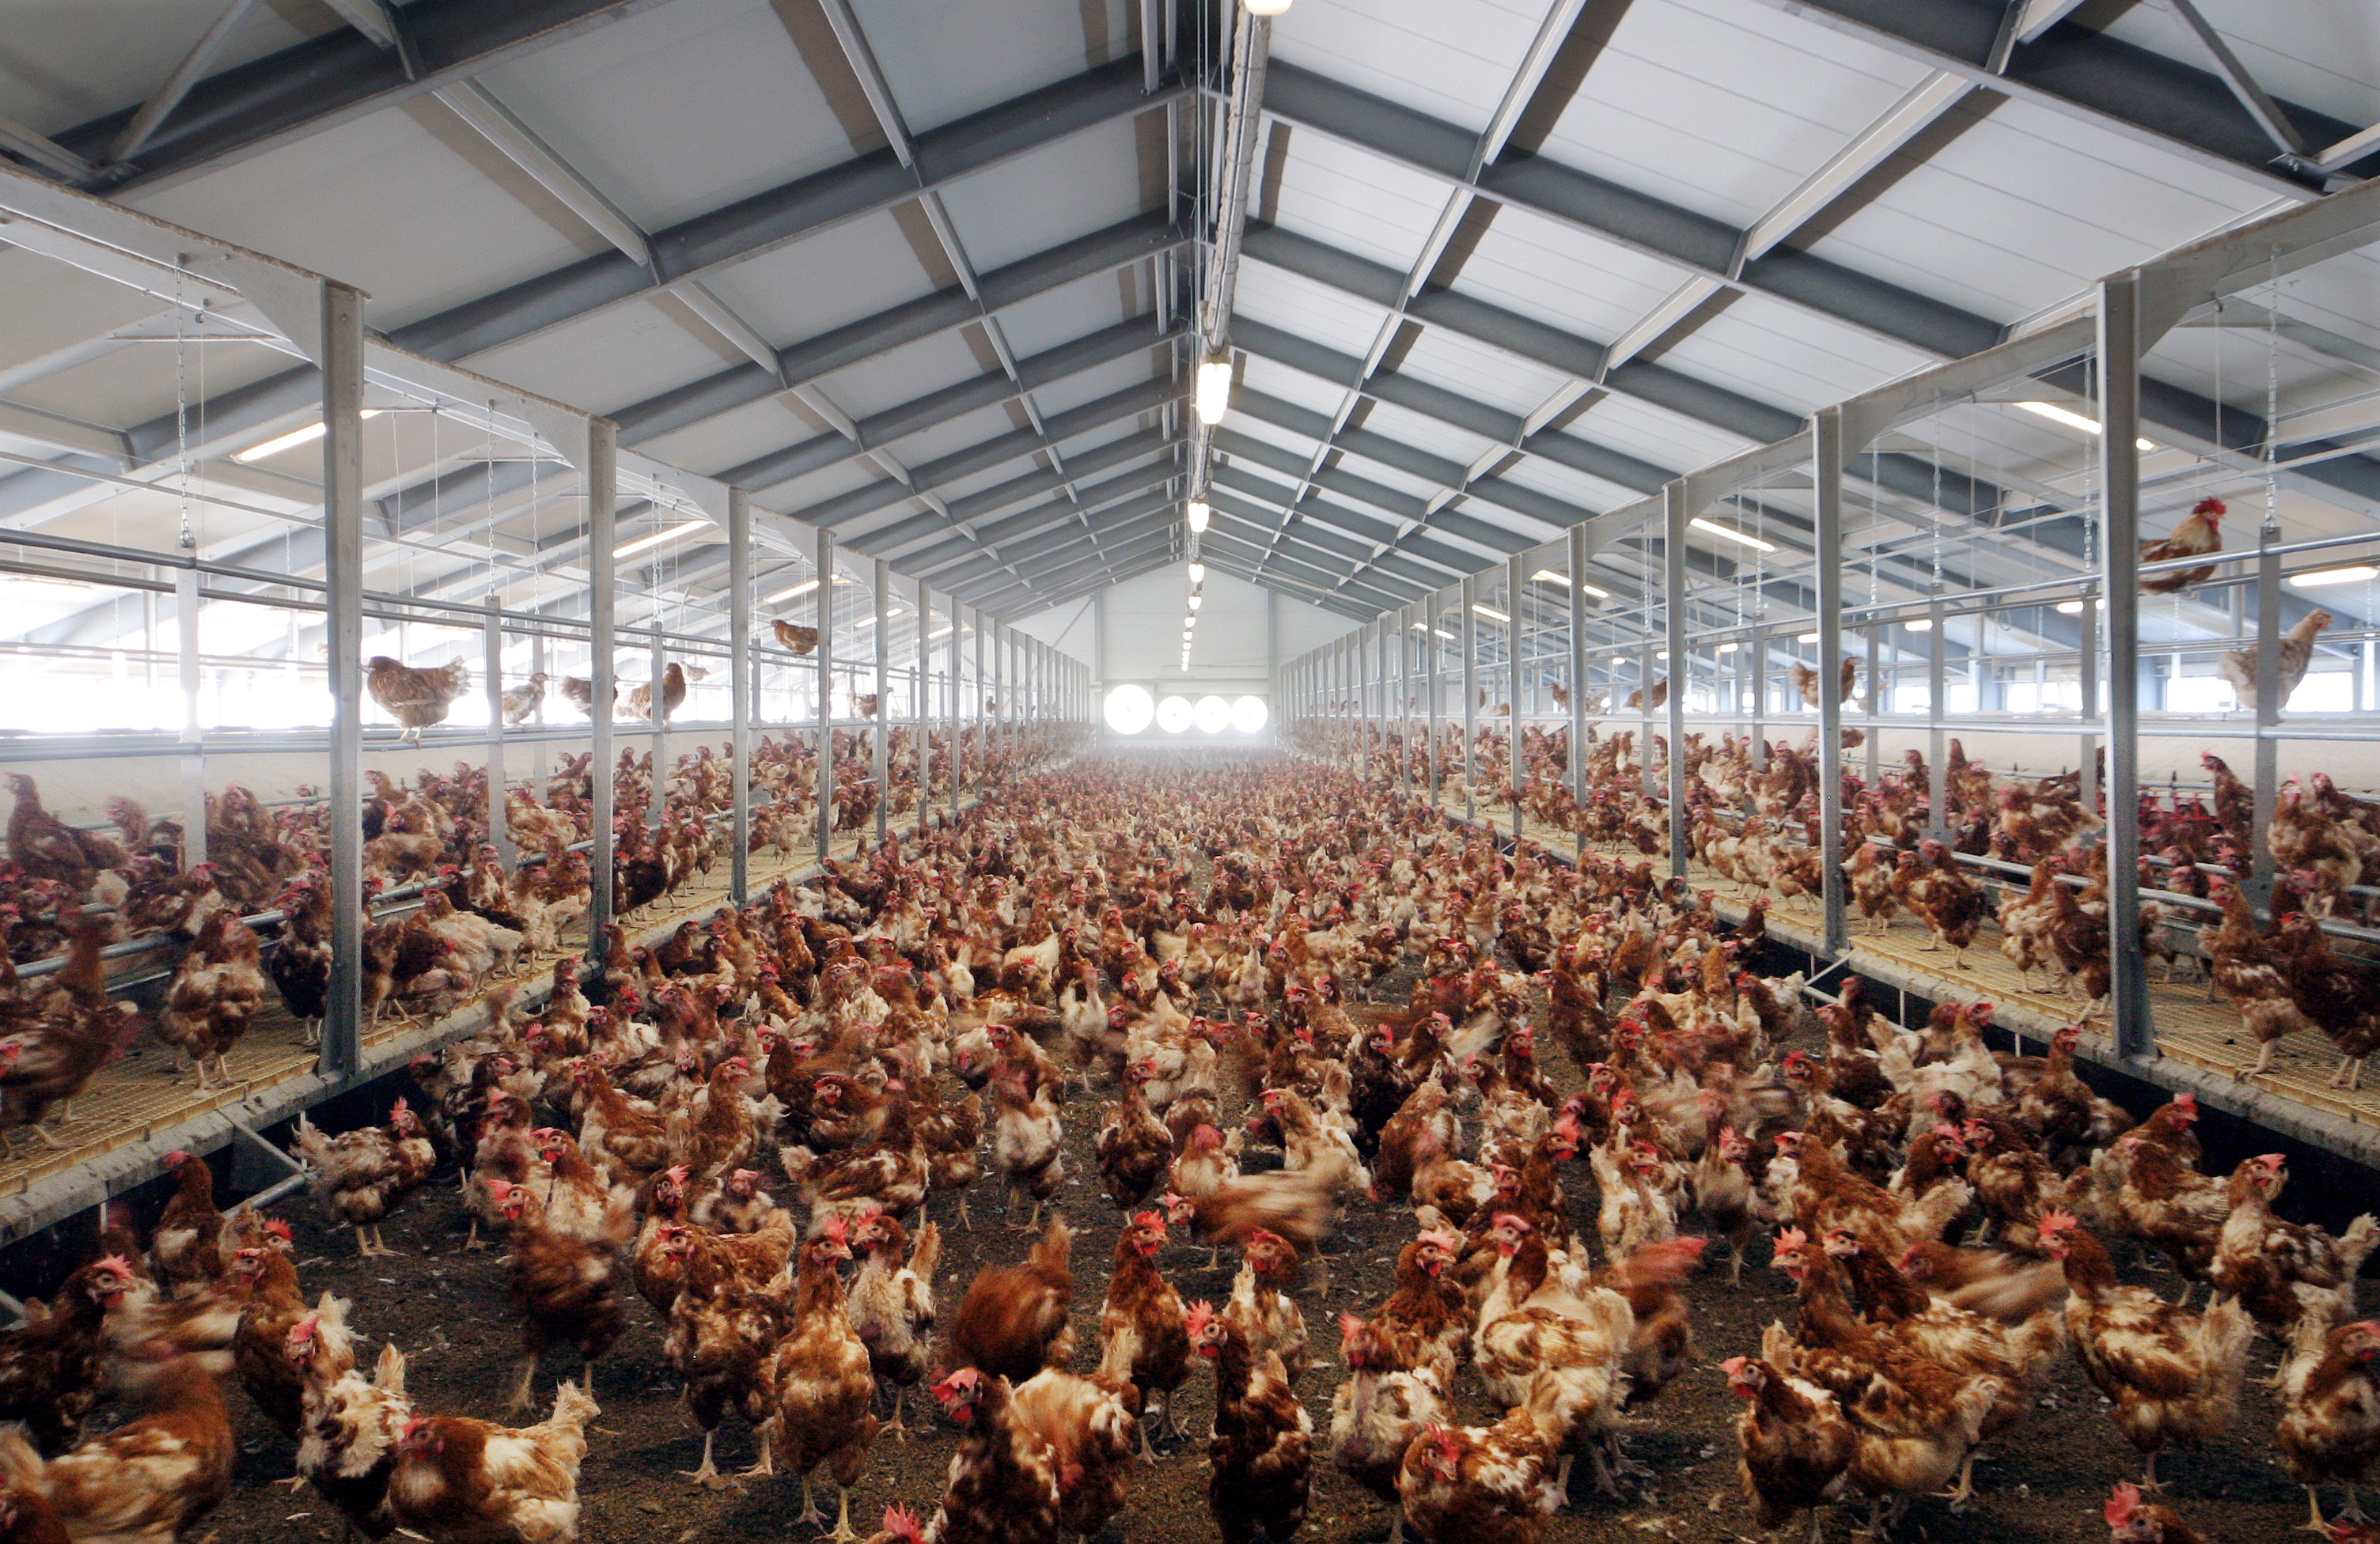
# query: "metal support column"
1937,682
2087,660
1826,472
2267,774
953,688
602,677
1429,642
1364,637
1470,635
194,758
883,699
1576,751
1757,646
1516,602
1675,514
2120,487
741,600
657,713
921,712
982,647
500,831
343,628
825,622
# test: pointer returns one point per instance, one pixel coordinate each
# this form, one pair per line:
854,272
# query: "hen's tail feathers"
1663,1264
1940,1207
1055,1249
2225,1332
2357,1243
19,1464
573,1407
926,1254
388,1375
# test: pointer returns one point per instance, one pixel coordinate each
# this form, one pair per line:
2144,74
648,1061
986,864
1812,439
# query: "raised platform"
2201,1048
135,1112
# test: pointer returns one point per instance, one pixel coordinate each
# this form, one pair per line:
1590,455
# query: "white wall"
1143,616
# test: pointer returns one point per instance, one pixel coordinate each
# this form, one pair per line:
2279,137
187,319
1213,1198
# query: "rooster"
2199,533
415,699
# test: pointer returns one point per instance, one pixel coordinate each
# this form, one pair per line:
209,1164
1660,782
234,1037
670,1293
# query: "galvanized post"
740,675
602,677
883,695
1429,642
1404,698
1364,637
2268,710
921,714
1645,710
983,733
1515,753
953,693
2119,485
1938,682
194,755
1827,472
1577,751
2088,625
825,619
1674,542
1470,695
657,713
1758,645
343,628
1876,697
534,776
499,829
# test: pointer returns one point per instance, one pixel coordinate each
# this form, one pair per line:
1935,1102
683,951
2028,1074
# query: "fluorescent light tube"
658,537
294,437
1728,533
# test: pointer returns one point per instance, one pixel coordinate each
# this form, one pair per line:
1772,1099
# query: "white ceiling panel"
734,112
66,61
829,281
1349,199
1720,111
905,374
1554,274
1479,372
408,205
1451,62
944,61
1084,183
1319,315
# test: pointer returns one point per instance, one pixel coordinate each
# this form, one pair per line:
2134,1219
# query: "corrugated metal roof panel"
733,112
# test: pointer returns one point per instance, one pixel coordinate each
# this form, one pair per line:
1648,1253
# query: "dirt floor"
447,1310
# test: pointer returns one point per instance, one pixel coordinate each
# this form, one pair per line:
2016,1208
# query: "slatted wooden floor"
2188,1027
143,1094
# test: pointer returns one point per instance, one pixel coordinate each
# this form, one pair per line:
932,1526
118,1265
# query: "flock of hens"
1175,959
254,919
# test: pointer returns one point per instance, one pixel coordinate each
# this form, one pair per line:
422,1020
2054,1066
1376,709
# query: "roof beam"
1115,452
2084,74
752,227
328,81
1128,403
1703,247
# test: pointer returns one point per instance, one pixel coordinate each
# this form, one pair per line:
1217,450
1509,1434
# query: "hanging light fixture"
1214,391
1266,7
1198,574
1199,516
1193,600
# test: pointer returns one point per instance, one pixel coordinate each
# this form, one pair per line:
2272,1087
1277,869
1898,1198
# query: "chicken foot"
811,1516
2349,1075
844,1533
708,1475
521,1386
